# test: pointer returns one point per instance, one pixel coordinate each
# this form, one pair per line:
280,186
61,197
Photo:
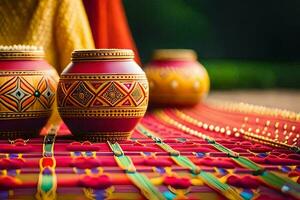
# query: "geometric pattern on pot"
26,93
102,93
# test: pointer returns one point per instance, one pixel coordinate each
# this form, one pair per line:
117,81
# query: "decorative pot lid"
21,52
174,54
102,54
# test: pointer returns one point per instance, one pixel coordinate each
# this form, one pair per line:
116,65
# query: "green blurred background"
243,44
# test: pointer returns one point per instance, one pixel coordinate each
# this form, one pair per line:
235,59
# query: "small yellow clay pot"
176,78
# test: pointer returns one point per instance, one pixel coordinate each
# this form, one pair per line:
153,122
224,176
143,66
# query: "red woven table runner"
210,151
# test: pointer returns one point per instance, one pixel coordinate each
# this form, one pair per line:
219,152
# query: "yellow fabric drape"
59,26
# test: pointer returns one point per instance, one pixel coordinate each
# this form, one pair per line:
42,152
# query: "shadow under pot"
27,92
102,94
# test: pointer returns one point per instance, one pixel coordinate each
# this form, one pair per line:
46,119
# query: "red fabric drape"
109,25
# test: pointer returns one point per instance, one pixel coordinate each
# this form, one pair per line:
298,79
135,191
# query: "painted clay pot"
27,91
102,94
176,78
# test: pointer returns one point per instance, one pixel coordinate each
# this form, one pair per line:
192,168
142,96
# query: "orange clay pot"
102,94
27,91
176,78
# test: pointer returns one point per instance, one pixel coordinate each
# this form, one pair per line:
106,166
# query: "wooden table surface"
284,99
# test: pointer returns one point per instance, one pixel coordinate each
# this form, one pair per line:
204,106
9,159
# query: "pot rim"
21,52
101,54
174,54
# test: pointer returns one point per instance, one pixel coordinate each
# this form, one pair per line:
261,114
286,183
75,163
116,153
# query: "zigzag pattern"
97,93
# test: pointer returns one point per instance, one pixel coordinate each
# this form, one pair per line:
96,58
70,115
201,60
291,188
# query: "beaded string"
250,115
277,129
229,126
254,109
280,183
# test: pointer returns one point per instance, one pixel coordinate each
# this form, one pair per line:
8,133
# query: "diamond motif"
112,94
19,94
21,97
137,94
82,94
48,93
44,93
